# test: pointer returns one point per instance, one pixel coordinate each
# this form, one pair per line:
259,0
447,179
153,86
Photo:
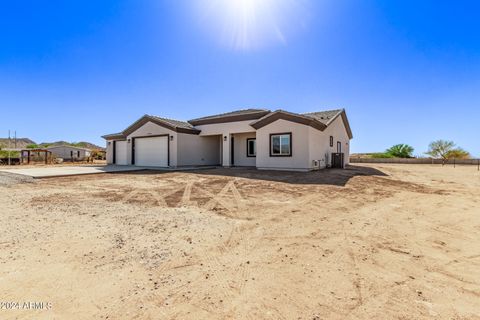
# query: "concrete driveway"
62,171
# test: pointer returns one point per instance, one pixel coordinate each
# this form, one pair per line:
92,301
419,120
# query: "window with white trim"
281,145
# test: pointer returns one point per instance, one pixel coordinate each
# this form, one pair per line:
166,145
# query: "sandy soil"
369,242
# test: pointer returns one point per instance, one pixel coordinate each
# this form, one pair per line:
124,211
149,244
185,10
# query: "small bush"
13,154
381,155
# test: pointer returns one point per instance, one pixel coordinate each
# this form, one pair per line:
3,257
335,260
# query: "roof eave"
229,118
288,116
346,123
148,118
114,136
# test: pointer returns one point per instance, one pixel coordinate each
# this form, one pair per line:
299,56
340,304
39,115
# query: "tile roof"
235,113
174,123
324,116
319,120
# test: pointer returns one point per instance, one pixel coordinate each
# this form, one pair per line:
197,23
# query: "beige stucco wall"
319,142
240,150
109,151
226,128
300,146
152,129
194,150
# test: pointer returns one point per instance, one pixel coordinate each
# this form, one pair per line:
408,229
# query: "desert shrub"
458,153
381,155
13,154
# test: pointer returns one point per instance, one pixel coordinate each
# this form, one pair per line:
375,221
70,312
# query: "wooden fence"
416,161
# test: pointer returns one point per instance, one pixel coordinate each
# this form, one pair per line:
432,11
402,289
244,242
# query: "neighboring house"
70,153
254,137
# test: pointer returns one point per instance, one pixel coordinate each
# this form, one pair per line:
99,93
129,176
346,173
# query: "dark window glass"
251,148
276,145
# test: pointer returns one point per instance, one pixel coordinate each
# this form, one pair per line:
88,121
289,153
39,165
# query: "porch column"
226,151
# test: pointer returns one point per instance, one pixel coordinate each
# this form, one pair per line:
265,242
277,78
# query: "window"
339,147
281,144
78,154
251,147
331,141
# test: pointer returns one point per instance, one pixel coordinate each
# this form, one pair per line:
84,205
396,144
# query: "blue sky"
406,71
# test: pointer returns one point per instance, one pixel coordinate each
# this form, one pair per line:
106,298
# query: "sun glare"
250,24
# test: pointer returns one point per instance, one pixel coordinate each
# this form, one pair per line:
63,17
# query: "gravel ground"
368,242
8,179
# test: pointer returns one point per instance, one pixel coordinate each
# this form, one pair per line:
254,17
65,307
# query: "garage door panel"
121,153
151,151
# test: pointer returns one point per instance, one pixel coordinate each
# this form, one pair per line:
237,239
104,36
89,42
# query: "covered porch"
237,149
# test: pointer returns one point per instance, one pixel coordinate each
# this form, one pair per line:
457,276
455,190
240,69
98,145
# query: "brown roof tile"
324,116
238,115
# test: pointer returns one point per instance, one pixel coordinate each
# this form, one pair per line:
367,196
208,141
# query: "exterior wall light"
224,138
128,140
171,138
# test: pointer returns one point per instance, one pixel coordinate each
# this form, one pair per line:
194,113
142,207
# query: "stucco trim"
146,118
288,116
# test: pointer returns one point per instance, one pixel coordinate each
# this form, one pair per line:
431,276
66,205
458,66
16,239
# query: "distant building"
70,153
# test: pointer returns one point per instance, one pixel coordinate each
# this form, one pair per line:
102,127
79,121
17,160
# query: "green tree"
400,151
32,146
443,149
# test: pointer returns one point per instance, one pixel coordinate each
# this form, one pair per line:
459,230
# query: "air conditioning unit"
338,160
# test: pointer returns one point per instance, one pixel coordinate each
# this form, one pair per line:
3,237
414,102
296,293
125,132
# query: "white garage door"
121,153
151,151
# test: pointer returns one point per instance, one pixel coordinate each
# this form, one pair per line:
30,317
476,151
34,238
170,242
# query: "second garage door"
151,151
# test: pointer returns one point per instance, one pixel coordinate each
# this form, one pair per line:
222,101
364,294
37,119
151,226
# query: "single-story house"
70,153
258,138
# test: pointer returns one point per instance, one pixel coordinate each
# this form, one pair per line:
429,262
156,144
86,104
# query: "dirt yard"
369,242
